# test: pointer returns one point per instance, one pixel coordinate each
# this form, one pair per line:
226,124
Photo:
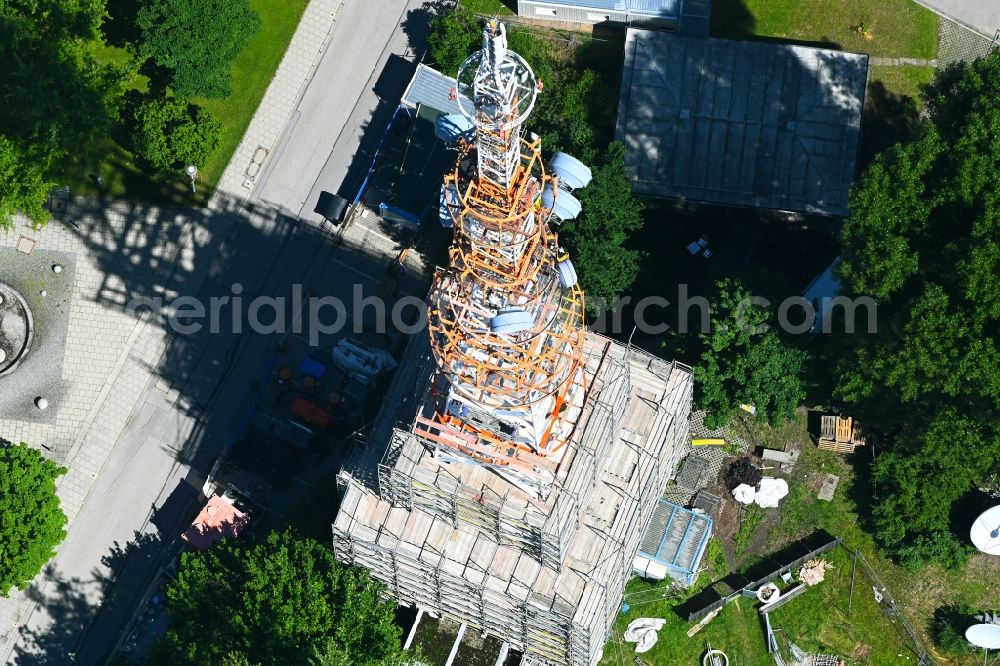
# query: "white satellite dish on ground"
984,635
985,532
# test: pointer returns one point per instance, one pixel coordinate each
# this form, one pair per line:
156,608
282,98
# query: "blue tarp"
399,216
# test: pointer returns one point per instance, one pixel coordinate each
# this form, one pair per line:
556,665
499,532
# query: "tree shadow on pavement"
66,602
82,620
417,23
389,88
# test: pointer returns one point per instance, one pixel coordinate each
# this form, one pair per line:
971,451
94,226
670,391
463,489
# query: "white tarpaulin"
643,632
743,493
770,491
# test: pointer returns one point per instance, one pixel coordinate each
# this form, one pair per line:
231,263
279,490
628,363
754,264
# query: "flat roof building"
652,13
754,124
431,90
687,16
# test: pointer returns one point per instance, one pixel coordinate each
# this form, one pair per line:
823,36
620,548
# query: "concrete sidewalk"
983,16
276,110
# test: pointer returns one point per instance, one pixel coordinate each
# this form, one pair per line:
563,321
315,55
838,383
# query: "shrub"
170,134
950,623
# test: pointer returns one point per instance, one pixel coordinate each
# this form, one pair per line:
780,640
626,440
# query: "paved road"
148,488
341,107
981,15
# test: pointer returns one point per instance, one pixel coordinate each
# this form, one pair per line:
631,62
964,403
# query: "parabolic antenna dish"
985,532
984,635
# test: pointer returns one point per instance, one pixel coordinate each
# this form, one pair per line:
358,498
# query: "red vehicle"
309,412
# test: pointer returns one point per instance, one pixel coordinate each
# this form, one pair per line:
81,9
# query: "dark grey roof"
741,123
430,88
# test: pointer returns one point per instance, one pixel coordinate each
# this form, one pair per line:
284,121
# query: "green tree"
57,100
23,185
950,624
923,239
744,361
280,600
32,523
197,41
171,134
597,237
57,19
453,35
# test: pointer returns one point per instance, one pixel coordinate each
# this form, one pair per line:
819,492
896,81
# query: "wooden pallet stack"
841,434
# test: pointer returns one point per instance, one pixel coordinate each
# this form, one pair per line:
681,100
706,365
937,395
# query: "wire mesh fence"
888,605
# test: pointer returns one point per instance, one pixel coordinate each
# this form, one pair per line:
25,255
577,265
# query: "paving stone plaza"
94,360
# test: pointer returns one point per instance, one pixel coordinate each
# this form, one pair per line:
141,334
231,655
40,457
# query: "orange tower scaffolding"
506,315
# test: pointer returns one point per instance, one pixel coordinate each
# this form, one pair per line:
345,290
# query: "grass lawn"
818,620
736,631
895,28
490,7
903,80
918,593
252,73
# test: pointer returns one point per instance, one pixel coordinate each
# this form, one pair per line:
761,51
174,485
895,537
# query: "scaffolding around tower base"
546,575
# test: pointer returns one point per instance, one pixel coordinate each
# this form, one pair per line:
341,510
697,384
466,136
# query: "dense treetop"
280,600
32,523
197,41
171,134
743,360
57,99
63,88
923,239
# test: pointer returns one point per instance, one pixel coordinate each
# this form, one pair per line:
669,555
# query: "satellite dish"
985,532
984,635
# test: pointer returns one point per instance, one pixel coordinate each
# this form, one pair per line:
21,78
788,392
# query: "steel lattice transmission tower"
506,315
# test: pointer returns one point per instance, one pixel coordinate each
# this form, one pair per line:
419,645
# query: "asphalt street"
981,15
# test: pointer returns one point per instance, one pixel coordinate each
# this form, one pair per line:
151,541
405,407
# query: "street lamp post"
192,171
